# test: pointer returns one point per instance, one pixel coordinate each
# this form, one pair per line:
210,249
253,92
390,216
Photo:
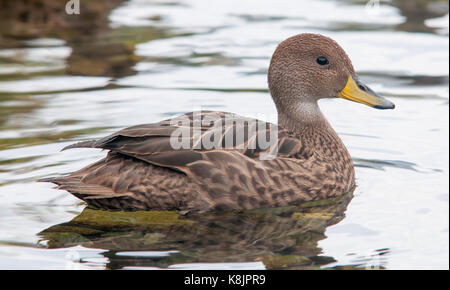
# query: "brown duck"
144,170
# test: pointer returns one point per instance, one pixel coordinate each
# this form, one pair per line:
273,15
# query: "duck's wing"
146,170
201,136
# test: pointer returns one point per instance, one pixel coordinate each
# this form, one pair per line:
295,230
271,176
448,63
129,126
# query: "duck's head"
308,67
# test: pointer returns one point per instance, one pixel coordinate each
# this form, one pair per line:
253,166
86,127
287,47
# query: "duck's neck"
305,115
307,121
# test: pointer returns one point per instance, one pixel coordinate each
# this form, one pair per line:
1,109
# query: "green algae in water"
286,261
312,215
122,219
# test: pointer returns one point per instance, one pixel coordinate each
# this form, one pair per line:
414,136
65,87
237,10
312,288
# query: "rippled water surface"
69,78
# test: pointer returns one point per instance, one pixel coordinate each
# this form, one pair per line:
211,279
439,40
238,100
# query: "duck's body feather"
143,171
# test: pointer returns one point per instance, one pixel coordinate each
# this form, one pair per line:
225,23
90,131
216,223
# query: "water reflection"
280,238
97,49
417,12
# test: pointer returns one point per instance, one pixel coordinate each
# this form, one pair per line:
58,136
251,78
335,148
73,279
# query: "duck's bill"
356,91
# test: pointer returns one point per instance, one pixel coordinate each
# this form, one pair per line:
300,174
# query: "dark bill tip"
387,105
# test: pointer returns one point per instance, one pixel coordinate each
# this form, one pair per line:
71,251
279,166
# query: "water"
133,62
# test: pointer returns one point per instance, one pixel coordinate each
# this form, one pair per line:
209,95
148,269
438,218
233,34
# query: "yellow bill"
356,91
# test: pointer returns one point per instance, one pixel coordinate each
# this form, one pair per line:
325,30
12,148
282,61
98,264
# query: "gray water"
123,63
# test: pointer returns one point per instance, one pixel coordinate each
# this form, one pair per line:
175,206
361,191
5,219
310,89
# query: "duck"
212,161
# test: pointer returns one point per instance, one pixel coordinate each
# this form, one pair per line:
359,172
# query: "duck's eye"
322,60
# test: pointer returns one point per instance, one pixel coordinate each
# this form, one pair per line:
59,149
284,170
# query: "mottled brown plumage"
306,161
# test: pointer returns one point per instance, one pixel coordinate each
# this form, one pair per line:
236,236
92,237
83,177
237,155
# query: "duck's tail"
95,195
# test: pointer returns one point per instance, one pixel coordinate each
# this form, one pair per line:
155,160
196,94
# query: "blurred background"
70,77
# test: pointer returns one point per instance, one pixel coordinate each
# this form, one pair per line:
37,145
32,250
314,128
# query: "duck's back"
208,161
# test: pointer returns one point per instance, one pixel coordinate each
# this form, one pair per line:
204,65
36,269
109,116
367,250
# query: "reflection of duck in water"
144,171
283,237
